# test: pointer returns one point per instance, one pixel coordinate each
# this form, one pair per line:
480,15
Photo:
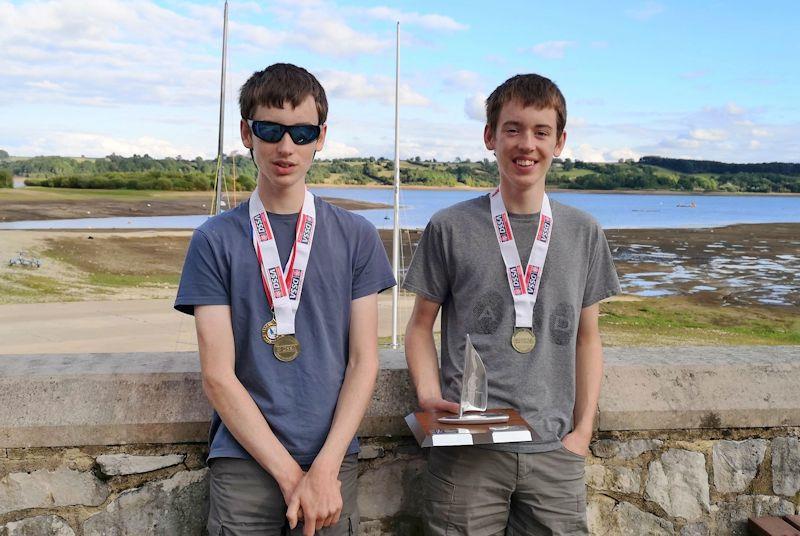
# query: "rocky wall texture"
698,483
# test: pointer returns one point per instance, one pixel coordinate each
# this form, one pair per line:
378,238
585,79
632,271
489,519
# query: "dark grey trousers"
246,501
479,492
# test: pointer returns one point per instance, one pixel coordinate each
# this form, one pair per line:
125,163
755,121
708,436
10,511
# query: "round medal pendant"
523,340
270,332
286,348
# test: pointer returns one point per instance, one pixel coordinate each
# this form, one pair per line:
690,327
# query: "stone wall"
690,441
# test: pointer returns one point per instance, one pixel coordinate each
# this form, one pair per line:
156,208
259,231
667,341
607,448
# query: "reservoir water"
613,211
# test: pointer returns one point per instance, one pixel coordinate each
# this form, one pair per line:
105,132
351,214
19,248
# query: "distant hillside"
649,173
709,166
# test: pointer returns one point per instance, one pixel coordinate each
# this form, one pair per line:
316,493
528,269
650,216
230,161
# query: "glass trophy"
474,393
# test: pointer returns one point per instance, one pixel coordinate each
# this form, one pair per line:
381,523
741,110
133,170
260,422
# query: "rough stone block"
786,465
731,518
599,514
176,506
678,482
630,521
383,491
695,529
47,489
370,452
627,450
736,463
621,479
37,526
605,448
126,464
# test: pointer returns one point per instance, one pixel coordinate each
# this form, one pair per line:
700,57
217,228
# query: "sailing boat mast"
220,167
396,233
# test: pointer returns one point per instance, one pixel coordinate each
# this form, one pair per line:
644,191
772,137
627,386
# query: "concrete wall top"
109,399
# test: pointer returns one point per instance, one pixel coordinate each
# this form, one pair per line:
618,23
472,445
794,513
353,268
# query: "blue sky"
707,80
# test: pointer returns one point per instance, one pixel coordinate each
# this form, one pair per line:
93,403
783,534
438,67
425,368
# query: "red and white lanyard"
283,286
524,284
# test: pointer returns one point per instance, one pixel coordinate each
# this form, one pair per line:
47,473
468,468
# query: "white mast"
220,174
396,234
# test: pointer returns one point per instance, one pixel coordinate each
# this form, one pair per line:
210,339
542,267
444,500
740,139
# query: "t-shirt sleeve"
427,274
372,272
204,276
601,279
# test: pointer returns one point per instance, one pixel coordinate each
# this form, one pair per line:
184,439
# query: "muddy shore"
60,205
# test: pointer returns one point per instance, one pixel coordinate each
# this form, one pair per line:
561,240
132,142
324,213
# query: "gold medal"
270,331
523,340
286,348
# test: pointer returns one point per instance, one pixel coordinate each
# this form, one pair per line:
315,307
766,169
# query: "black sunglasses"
273,132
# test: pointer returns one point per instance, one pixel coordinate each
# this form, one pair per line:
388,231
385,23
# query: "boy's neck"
282,200
522,200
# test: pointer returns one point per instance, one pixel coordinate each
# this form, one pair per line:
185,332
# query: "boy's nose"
285,144
527,142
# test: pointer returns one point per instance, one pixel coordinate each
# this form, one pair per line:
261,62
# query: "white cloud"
337,149
552,50
335,37
592,153
646,11
755,144
760,132
475,107
427,21
624,153
462,79
97,145
704,134
360,87
733,109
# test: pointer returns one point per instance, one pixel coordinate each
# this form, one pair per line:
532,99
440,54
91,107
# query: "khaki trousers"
246,501
478,492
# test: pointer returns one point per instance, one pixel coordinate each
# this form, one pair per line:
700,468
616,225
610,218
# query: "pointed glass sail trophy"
474,393
473,425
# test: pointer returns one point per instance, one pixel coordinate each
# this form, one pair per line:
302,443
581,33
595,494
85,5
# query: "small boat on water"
686,205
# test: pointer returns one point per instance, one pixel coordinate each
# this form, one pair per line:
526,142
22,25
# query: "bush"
6,179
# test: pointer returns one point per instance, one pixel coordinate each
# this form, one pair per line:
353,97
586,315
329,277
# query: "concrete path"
121,326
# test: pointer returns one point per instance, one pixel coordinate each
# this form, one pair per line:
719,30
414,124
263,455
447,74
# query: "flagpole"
396,233
220,174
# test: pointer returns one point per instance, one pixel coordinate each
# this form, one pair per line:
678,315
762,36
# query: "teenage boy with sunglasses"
284,293
534,323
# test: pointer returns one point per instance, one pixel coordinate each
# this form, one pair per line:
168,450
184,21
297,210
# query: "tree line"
142,172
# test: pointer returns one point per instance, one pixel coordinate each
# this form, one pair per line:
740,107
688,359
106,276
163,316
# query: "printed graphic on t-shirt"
487,314
561,324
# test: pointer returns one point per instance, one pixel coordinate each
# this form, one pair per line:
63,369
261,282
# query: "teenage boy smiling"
284,293
534,323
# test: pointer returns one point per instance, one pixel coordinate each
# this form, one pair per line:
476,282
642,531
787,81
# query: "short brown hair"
278,84
530,90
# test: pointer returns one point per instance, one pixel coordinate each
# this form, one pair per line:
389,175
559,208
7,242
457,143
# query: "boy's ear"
488,137
247,136
560,144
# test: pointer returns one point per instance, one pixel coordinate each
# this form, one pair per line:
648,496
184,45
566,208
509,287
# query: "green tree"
3,154
6,179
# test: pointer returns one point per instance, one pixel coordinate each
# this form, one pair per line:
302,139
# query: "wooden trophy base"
429,431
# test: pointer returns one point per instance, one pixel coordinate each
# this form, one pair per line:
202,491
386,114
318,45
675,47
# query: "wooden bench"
774,526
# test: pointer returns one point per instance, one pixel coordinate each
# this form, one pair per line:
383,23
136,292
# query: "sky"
684,79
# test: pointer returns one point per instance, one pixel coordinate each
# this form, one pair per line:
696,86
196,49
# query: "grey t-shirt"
347,262
458,264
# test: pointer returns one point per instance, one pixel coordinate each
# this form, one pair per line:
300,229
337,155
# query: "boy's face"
525,143
284,163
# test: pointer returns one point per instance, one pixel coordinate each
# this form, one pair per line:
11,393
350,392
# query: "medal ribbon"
283,286
524,284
